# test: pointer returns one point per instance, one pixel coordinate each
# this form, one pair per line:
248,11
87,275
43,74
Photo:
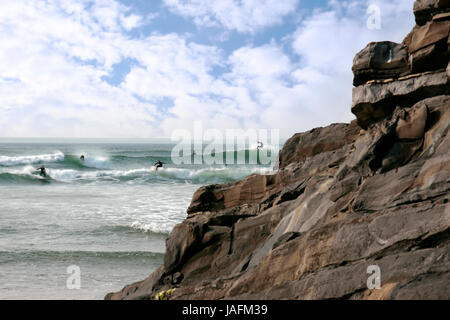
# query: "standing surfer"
42,172
158,164
82,157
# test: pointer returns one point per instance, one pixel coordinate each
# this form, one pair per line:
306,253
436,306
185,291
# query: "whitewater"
109,214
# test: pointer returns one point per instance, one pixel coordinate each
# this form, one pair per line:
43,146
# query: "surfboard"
42,177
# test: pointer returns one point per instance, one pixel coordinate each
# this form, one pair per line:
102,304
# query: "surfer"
42,172
158,164
82,157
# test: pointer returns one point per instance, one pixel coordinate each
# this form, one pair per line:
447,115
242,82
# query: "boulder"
380,60
424,10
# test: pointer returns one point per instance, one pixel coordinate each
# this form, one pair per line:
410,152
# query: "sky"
145,68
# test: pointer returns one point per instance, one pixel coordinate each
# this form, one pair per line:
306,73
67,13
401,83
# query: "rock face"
375,101
388,74
428,48
424,10
374,192
380,60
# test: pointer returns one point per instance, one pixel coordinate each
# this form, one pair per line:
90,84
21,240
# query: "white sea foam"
68,174
24,171
21,160
204,175
200,175
155,227
97,162
211,173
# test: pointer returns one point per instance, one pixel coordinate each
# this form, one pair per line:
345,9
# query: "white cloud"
247,16
130,22
265,61
329,39
54,55
326,43
170,67
312,88
52,91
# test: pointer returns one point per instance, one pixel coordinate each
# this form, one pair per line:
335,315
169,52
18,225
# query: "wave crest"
142,175
153,227
6,161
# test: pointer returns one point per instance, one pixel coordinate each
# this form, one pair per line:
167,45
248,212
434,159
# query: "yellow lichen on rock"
164,294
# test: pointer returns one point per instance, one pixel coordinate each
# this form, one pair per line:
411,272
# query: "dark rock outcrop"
376,100
388,74
424,10
344,197
429,46
380,60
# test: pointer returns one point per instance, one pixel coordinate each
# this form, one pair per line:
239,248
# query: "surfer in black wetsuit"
158,164
42,172
82,157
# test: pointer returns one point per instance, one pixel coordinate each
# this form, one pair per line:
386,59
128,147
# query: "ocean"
91,227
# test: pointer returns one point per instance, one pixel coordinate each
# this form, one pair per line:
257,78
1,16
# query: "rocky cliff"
344,197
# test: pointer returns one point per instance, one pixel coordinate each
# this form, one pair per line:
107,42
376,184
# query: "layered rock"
425,10
380,60
429,45
376,100
343,198
332,214
390,75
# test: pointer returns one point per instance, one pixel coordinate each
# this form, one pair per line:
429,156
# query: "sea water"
108,215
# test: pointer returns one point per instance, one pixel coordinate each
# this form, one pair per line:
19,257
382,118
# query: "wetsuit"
43,172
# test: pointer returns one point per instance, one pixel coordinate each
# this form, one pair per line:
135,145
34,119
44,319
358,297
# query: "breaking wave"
6,161
143,175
